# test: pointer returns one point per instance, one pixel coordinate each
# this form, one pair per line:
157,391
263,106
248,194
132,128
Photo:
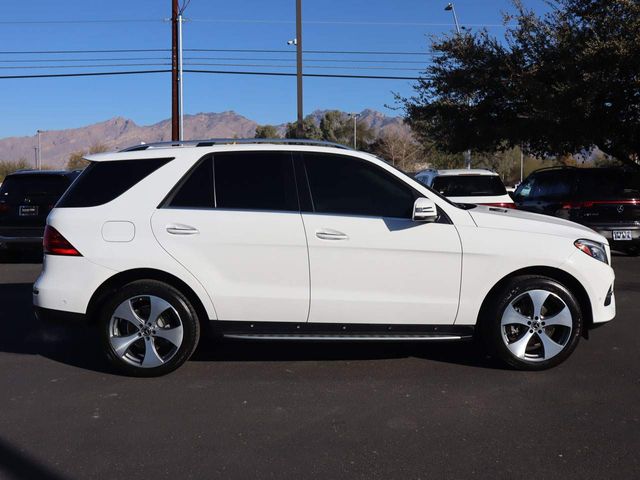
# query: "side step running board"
350,338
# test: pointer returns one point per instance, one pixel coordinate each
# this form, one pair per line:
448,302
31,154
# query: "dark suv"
26,198
604,199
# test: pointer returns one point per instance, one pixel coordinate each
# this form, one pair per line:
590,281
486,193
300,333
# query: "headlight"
593,249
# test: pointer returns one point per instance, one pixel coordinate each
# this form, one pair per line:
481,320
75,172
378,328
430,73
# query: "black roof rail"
234,141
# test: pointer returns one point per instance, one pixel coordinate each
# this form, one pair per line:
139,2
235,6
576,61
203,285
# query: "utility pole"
175,103
299,126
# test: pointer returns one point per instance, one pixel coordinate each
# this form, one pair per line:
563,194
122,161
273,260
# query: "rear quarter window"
469,185
102,182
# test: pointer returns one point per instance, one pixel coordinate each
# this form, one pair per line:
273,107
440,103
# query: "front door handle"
180,229
329,234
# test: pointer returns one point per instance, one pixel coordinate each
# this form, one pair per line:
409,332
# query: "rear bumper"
31,241
21,236
57,316
607,232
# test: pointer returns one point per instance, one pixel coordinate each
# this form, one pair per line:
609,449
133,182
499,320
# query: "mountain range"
119,132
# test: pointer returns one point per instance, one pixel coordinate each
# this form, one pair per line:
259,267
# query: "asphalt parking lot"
292,410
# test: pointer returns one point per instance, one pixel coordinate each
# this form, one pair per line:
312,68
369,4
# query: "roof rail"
233,141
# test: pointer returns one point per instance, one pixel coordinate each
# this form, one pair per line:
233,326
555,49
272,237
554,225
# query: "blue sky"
51,104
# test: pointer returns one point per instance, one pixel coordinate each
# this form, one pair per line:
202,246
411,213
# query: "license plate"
622,234
28,210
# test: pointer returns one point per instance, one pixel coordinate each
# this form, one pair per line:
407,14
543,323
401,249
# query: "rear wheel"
148,329
533,323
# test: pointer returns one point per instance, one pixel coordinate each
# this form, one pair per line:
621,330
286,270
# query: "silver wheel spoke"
151,358
122,344
538,297
173,335
511,316
519,347
562,318
125,312
157,307
551,348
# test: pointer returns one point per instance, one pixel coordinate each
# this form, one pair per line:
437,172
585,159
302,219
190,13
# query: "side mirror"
424,210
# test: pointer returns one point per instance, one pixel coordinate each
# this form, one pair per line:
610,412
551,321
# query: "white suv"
472,185
296,240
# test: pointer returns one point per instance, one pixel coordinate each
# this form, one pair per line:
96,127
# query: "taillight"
572,205
55,244
500,205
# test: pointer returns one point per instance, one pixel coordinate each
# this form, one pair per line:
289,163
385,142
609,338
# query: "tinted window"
469,185
196,191
35,187
350,186
547,186
602,184
102,182
255,181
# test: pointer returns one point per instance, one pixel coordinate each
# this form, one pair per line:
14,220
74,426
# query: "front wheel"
532,323
148,329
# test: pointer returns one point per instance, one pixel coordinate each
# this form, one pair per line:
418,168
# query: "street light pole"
299,125
355,130
451,8
39,158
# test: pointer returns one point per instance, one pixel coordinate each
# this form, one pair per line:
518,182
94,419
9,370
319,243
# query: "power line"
220,72
227,50
20,67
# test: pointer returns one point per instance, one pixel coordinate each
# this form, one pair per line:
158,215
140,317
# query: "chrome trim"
355,338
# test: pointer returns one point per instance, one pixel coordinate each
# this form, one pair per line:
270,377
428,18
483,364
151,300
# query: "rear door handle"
180,229
329,234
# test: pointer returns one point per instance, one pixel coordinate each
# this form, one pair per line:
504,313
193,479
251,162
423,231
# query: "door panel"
254,265
382,270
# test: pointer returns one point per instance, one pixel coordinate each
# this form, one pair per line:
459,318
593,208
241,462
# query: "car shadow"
75,343
31,256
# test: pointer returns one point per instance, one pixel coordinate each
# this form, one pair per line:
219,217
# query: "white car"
475,185
303,241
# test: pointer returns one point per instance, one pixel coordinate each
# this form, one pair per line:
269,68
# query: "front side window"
255,181
346,185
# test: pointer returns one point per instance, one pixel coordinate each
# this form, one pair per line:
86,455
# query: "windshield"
469,185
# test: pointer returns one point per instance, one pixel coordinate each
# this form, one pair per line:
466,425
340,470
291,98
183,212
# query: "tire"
148,329
531,323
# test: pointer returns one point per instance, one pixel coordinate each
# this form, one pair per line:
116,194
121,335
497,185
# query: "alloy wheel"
145,331
536,325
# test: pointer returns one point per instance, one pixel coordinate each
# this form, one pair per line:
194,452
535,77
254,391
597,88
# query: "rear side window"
469,185
255,181
102,182
549,186
345,185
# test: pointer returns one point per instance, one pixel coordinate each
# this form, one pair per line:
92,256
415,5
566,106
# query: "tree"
400,148
266,131
7,167
311,131
558,84
76,159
